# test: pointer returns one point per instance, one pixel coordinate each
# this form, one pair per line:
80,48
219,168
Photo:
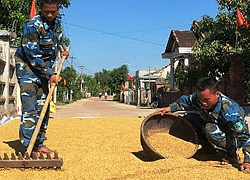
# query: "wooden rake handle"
44,109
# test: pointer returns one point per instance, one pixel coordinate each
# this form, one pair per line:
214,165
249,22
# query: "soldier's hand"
164,110
64,53
245,166
55,79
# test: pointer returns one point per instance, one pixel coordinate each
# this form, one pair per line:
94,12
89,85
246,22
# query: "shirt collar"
45,23
216,112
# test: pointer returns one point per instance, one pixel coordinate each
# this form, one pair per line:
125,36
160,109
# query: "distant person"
222,122
105,95
40,43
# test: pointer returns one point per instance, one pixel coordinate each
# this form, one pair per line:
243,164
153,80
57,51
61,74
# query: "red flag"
129,77
132,85
240,19
33,9
123,87
246,25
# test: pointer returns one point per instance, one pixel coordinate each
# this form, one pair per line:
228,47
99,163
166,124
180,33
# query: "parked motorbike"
156,100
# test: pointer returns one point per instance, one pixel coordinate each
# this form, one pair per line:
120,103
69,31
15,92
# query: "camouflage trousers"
225,141
33,96
228,141
216,137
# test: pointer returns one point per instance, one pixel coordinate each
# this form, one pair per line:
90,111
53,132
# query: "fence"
8,82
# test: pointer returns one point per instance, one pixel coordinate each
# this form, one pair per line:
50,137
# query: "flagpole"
236,38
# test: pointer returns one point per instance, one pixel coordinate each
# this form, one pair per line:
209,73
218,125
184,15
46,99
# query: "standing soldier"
40,42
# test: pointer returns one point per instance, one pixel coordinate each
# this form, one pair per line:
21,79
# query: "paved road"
100,107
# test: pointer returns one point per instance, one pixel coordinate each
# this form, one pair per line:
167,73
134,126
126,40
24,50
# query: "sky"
106,34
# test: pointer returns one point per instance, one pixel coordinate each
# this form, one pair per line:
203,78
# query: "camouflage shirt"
40,43
226,110
227,114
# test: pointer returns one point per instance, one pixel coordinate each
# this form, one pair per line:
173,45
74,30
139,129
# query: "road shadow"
16,145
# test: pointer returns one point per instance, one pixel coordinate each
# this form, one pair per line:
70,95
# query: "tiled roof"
181,38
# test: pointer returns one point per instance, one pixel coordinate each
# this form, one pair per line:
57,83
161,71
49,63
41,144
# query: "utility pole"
71,62
81,67
149,84
55,90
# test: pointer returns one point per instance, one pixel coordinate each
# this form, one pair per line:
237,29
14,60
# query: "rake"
29,159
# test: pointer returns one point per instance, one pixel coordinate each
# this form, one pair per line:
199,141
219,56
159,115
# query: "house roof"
180,38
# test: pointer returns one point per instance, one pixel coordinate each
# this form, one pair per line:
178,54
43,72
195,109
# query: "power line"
118,35
75,61
136,31
71,49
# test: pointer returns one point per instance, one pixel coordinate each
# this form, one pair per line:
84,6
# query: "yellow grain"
107,149
170,146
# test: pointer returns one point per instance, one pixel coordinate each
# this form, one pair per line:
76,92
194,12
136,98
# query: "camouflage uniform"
40,44
225,127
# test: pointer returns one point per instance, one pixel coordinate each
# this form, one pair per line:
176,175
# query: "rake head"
33,161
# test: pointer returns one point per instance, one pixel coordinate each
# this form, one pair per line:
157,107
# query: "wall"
236,83
8,83
169,97
232,83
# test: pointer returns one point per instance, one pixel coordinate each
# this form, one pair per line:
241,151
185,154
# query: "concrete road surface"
100,107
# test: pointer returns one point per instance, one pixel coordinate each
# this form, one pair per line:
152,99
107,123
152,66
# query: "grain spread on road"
107,149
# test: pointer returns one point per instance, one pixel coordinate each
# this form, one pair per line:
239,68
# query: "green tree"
117,77
72,85
103,79
15,12
223,38
106,80
213,51
91,85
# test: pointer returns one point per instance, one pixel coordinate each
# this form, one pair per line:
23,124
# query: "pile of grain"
170,146
107,148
